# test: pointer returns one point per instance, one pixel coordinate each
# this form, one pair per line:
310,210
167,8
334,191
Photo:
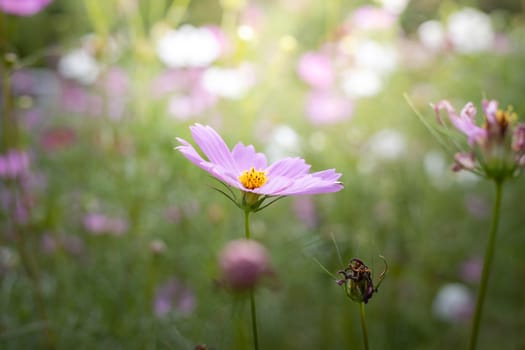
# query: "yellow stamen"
252,178
506,117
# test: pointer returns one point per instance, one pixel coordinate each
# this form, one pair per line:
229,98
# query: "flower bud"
357,281
243,264
464,161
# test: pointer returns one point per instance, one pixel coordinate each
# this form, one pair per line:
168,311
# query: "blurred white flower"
394,6
378,57
470,31
79,65
387,144
232,83
437,168
432,35
188,46
245,32
361,83
453,303
284,142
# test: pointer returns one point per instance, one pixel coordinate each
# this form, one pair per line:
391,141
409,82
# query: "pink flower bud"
243,263
464,161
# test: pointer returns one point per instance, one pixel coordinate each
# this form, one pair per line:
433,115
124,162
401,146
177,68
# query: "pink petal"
212,145
490,108
245,157
289,167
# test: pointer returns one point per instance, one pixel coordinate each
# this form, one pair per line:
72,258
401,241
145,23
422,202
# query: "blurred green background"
121,233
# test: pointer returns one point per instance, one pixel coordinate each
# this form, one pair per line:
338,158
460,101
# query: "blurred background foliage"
123,233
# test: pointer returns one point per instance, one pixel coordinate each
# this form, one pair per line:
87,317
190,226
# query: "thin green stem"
254,320
247,223
363,325
489,253
253,309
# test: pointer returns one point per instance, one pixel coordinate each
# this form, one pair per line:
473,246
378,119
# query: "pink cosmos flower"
497,148
247,170
23,7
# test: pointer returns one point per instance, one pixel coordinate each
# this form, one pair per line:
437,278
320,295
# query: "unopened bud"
357,281
243,264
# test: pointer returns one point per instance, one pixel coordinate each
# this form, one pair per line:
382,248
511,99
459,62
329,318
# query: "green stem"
489,253
363,325
254,320
247,223
252,297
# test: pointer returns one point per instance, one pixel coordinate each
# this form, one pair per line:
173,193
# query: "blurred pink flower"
195,103
186,95
48,243
57,138
243,264
306,211
115,85
325,107
71,244
173,296
23,7
16,205
253,15
175,80
77,99
371,18
470,270
95,223
13,164
98,224
315,69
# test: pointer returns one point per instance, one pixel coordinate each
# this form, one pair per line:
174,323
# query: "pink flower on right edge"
23,7
497,147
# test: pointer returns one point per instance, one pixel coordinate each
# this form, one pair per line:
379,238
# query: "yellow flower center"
252,178
504,118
